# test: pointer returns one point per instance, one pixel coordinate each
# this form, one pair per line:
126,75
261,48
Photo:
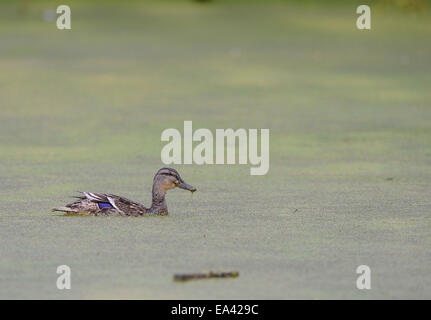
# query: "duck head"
168,178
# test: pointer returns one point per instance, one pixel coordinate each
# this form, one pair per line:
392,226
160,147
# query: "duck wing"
123,205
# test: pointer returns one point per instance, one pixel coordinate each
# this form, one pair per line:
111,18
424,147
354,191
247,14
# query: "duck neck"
158,205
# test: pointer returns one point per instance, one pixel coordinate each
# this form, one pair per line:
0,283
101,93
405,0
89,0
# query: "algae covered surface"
349,183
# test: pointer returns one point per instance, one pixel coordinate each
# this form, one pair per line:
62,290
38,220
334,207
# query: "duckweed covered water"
84,110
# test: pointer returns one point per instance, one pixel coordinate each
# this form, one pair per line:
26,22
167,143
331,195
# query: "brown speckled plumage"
111,205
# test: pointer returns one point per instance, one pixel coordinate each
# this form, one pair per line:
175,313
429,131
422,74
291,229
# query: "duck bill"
186,186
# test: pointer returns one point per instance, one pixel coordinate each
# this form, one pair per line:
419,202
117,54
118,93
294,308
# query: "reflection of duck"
109,204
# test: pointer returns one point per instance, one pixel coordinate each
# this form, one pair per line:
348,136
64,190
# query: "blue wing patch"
104,205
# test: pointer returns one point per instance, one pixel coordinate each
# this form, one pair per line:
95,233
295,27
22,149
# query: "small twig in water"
207,275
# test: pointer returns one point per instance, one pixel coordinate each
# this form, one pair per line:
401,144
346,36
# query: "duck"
102,204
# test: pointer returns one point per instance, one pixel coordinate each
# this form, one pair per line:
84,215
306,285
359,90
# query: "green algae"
346,110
